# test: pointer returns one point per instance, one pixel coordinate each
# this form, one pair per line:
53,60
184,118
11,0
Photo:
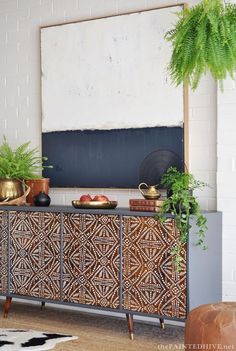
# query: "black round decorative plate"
156,164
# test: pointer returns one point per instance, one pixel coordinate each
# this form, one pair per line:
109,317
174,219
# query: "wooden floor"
95,332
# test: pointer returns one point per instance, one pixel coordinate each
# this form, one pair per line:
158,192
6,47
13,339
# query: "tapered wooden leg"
7,306
130,322
42,305
162,323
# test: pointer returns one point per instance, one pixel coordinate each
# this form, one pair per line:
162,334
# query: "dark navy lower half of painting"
106,158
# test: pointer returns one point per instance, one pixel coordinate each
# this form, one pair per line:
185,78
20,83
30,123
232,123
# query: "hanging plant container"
204,39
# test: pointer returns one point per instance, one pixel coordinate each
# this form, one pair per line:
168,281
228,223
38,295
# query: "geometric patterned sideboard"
35,254
3,252
91,260
111,259
150,282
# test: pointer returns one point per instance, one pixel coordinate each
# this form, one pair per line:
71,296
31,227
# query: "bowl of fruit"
98,201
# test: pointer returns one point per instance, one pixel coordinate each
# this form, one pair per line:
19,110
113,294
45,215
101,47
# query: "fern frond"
203,39
21,163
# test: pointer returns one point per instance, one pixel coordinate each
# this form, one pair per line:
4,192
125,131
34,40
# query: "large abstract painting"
108,74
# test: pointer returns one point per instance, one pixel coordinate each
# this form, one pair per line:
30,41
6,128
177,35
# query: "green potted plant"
182,204
203,39
17,166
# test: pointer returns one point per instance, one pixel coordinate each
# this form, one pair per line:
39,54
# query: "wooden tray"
94,204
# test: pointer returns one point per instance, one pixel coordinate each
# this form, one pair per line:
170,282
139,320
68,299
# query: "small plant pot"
36,186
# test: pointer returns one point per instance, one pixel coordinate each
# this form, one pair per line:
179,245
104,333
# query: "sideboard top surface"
121,211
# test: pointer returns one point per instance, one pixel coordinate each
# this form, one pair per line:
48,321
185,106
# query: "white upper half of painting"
109,73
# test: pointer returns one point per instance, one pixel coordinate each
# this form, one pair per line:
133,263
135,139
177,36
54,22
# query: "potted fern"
17,166
182,204
203,39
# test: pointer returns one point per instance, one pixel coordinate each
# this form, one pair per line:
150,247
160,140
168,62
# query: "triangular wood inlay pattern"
150,281
3,250
35,254
91,259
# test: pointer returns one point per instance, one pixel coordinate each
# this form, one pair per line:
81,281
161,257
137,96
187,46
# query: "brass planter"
10,189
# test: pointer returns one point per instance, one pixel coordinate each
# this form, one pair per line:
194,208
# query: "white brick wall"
20,113
226,188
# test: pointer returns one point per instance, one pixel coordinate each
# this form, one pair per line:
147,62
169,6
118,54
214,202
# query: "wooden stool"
210,326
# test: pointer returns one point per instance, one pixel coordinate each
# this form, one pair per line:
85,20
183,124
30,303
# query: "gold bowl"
152,196
95,204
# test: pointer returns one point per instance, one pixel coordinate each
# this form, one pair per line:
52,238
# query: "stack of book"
145,205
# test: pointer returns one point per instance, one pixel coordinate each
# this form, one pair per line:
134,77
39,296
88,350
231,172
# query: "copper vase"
10,189
36,186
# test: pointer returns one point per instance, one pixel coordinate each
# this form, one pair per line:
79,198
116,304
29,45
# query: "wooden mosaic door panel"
150,282
3,251
35,254
91,259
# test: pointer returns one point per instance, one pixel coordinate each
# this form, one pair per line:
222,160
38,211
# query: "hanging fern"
204,39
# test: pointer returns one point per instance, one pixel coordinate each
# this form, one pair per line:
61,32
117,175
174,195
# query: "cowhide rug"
30,340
